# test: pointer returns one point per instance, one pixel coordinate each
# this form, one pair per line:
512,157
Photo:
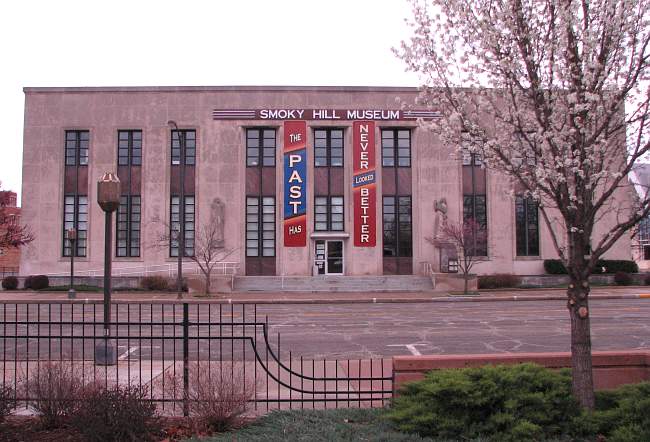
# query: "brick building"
10,257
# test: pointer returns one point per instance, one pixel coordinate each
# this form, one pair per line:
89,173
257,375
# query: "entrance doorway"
329,257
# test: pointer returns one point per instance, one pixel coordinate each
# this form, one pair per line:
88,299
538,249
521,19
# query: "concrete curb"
413,300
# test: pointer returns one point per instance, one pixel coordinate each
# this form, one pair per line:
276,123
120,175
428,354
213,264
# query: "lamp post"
108,198
180,237
72,237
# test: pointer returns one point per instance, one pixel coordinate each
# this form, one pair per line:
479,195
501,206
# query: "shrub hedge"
10,283
157,283
39,282
556,267
498,281
504,403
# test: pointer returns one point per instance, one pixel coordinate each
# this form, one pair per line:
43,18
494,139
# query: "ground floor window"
475,207
527,226
128,226
260,226
397,226
75,216
174,225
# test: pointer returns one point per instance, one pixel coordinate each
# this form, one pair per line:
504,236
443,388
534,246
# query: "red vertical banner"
364,187
295,183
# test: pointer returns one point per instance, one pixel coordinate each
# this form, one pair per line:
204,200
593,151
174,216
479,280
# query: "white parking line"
126,354
410,347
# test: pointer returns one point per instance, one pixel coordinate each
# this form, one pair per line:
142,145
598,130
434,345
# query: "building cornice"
113,89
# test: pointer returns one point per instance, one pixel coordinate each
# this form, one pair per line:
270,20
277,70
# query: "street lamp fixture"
108,198
72,237
180,233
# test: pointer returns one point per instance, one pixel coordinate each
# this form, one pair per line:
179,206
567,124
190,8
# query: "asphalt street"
331,331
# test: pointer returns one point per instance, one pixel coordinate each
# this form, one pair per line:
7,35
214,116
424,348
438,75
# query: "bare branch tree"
556,93
466,237
208,251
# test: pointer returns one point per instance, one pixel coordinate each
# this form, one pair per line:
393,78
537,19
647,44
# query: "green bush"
618,265
28,282
498,281
504,403
623,278
40,282
554,267
10,283
156,283
622,415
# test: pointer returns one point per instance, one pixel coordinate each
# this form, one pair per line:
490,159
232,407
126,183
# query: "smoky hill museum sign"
295,163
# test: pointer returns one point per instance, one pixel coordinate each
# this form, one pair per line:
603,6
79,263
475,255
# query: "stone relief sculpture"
440,209
217,219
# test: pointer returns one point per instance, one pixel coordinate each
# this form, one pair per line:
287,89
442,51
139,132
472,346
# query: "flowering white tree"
553,93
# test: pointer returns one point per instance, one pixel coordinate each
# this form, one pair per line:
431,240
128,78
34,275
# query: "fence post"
186,352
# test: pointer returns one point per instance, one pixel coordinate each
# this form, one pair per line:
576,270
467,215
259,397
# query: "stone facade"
221,173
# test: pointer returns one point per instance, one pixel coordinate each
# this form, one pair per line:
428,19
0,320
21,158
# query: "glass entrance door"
329,257
334,257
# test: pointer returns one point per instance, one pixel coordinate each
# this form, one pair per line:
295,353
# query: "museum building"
295,180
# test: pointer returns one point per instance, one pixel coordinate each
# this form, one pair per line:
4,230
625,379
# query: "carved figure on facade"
217,219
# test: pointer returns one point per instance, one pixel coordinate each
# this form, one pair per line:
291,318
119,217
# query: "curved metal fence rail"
173,349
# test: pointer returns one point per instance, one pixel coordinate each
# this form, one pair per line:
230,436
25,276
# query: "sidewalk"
548,294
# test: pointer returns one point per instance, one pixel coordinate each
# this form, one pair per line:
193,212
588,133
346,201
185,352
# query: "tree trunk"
582,373
207,284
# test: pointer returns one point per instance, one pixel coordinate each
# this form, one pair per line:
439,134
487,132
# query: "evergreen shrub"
39,282
498,281
500,403
623,278
10,283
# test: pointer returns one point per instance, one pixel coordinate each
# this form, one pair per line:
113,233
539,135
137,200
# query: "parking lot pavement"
610,292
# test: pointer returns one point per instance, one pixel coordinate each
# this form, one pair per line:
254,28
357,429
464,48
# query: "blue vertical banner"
295,183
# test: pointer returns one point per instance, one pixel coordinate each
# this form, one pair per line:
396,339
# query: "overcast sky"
191,42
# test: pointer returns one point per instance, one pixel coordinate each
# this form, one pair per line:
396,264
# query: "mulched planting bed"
28,429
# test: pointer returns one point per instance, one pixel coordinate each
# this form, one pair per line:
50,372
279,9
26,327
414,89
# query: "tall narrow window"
189,138
128,226
526,221
174,225
396,147
75,216
397,226
329,213
260,226
474,195
75,200
260,147
129,160
328,147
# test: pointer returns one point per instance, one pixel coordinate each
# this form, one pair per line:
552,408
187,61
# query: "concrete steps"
405,283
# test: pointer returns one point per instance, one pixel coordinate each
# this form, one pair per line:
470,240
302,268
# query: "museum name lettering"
329,114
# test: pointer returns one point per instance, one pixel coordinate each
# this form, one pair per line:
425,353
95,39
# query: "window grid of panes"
75,216
470,158
129,147
527,226
397,226
396,147
76,147
260,226
128,226
475,207
189,137
329,213
328,147
260,147
175,222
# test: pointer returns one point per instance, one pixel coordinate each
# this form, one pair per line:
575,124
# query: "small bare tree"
466,236
208,250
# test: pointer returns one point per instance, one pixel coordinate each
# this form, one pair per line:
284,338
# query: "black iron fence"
177,351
